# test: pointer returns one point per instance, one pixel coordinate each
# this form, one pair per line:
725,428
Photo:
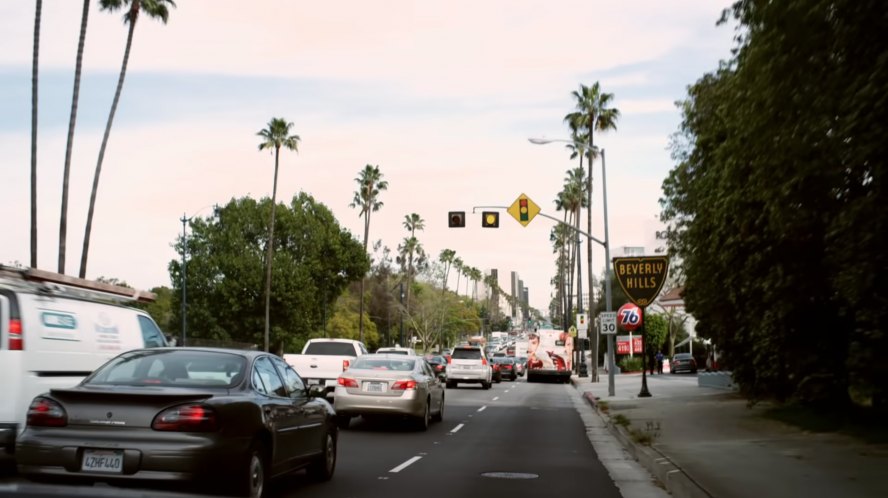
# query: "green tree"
412,222
314,261
774,205
161,309
38,10
370,185
274,136
446,258
155,9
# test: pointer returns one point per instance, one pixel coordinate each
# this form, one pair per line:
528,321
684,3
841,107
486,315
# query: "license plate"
314,382
110,461
374,387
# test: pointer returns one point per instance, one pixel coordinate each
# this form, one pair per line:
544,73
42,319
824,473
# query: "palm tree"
275,136
155,9
592,114
412,222
78,65
34,66
370,185
458,264
446,258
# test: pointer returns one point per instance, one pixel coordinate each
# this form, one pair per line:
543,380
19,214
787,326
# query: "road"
516,439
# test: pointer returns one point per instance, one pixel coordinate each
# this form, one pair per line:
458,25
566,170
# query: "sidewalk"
706,442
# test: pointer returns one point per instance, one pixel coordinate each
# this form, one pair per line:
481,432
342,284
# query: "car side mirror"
317,391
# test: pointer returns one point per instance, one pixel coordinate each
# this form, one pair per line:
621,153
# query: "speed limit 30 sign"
608,322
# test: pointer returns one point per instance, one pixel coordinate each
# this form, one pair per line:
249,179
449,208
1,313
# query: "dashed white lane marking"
456,429
404,465
496,398
482,408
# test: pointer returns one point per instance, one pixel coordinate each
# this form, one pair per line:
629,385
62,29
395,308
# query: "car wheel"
440,415
485,385
252,482
422,423
323,467
343,421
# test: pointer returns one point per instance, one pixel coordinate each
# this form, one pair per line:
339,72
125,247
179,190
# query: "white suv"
468,364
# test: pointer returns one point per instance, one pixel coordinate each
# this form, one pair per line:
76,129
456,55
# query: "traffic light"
490,219
522,210
456,219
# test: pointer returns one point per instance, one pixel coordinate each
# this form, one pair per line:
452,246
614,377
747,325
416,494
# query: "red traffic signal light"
490,219
456,219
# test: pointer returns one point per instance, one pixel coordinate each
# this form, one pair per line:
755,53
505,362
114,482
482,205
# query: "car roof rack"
56,283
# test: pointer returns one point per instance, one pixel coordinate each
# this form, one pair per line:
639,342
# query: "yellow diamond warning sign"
523,210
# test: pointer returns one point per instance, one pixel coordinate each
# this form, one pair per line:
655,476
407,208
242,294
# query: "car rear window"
330,349
182,368
466,354
368,363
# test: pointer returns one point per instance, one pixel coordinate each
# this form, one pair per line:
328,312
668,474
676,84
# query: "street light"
606,243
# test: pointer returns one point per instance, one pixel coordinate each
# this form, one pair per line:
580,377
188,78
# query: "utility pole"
184,220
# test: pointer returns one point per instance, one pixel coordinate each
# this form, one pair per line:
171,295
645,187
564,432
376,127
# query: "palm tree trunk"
73,119
361,306
95,186
270,252
591,294
34,66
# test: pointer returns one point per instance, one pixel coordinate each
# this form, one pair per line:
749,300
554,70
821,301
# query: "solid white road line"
482,408
404,465
456,429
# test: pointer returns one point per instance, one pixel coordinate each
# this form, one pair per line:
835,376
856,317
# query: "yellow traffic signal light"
490,219
456,219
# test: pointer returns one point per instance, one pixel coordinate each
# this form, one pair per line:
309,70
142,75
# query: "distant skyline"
443,97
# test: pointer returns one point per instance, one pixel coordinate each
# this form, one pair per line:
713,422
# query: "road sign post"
641,279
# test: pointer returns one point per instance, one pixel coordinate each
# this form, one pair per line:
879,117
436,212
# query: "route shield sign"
641,278
523,210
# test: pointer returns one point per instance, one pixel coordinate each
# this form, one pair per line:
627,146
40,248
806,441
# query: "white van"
54,331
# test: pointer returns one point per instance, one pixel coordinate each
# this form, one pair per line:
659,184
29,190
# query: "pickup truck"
323,360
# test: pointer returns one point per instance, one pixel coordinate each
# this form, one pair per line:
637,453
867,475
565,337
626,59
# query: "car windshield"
466,354
367,363
180,368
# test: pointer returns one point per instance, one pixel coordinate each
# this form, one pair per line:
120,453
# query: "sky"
442,96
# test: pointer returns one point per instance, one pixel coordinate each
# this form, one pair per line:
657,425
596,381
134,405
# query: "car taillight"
345,364
45,412
15,335
484,361
404,385
347,382
186,418
439,367
448,360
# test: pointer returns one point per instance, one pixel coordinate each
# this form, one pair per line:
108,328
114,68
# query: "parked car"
224,418
506,367
389,384
439,365
468,364
683,362
55,330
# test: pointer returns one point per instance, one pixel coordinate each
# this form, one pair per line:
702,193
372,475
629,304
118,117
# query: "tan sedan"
389,384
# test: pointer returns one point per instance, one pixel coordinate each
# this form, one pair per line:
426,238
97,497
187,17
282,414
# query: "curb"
672,477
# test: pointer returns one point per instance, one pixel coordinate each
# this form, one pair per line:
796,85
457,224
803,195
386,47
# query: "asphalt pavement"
707,442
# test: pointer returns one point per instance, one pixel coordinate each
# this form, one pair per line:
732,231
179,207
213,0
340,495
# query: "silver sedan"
389,384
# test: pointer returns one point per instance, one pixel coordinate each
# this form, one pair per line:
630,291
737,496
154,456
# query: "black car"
199,416
506,367
683,362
